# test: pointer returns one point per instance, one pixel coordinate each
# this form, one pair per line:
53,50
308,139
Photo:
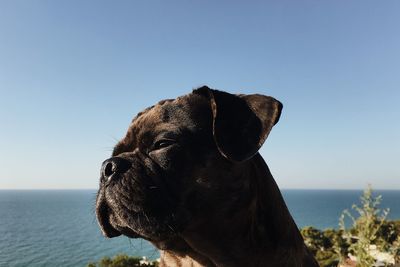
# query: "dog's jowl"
188,177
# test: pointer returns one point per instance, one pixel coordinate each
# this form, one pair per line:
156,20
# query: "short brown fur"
190,181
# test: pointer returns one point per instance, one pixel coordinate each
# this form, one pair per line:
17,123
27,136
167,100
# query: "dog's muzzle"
111,170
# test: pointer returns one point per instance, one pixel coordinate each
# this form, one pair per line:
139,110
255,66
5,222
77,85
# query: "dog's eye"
163,143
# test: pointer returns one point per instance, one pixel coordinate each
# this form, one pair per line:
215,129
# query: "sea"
59,228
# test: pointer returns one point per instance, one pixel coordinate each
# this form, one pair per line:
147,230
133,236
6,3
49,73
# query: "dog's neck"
261,231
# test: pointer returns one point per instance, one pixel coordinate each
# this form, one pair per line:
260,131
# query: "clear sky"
74,73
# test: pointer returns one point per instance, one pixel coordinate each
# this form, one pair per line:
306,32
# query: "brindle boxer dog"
188,178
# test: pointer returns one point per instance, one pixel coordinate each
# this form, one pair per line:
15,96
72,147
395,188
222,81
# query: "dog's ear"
241,123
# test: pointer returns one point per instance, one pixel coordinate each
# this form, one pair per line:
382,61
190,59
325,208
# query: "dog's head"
175,165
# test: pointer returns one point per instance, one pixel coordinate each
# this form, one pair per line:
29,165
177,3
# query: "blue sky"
74,73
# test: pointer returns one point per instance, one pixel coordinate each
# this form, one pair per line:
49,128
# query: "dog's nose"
113,166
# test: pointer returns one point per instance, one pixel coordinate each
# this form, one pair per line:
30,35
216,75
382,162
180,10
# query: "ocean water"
58,227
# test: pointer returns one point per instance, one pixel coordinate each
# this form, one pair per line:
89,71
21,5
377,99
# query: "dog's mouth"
109,223
115,219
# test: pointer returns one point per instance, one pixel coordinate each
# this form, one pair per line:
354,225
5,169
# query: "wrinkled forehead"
167,115
183,114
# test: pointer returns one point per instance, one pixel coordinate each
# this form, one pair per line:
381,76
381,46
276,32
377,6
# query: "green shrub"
369,232
365,228
123,260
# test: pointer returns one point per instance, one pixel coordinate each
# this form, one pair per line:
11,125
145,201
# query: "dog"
188,177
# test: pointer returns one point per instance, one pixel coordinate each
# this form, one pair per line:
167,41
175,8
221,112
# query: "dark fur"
204,197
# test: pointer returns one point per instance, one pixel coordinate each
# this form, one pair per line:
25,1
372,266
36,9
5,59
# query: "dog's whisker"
153,253
132,244
170,227
145,215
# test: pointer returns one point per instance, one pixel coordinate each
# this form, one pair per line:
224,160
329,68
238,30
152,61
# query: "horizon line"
283,188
